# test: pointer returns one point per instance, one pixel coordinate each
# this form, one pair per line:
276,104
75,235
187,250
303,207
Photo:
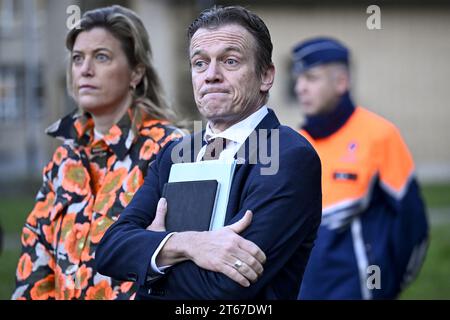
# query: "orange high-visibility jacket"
373,218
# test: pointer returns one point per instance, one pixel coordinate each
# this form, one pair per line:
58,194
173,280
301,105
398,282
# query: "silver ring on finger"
237,264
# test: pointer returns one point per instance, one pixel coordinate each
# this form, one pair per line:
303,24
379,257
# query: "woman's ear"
267,78
136,75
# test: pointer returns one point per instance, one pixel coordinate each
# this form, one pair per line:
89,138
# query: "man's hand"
159,222
224,251
221,250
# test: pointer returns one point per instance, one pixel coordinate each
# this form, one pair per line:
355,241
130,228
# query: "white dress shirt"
236,136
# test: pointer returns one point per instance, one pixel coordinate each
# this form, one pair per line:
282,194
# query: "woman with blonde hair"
108,143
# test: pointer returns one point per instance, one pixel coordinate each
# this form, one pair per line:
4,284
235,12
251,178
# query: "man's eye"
231,62
101,57
199,64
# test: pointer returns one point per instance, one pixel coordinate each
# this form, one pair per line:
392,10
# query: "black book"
190,204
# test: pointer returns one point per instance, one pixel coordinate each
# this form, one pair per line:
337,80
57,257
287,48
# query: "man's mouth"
214,91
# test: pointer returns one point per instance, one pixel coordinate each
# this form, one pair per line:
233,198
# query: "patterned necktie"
213,148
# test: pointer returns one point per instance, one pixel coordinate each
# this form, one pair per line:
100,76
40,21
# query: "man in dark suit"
273,212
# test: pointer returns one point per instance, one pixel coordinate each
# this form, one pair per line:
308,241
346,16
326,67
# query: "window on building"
10,93
8,17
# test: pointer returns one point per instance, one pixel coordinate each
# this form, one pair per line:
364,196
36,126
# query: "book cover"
220,170
190,204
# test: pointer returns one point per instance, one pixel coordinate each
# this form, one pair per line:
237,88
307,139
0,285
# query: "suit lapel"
247,152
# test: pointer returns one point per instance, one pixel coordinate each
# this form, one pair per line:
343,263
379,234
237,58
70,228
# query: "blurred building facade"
400,71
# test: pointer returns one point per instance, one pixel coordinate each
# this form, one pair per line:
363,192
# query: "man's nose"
300,86
213,73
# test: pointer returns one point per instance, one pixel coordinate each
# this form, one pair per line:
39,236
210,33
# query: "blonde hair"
128,28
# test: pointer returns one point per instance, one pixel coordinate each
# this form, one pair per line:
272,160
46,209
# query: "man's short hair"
218,16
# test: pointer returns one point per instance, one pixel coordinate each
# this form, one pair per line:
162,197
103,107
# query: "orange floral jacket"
85,187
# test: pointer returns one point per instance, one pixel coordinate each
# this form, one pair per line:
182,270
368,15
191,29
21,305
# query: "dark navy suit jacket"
286,215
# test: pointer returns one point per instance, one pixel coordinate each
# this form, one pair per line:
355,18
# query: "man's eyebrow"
233,48
196,52
227,49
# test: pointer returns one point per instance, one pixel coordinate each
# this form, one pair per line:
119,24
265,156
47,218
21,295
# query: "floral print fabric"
86,185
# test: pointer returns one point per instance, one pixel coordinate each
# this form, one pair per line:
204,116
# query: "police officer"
374,232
